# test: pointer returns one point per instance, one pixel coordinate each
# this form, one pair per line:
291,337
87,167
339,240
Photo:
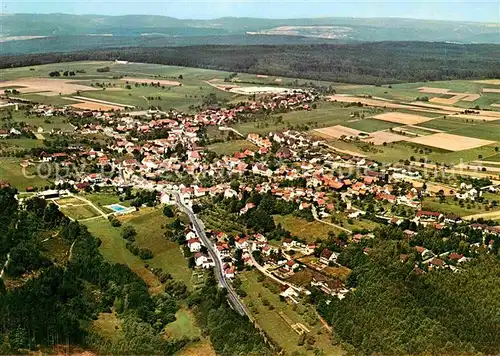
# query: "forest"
51,299
361,63
399,309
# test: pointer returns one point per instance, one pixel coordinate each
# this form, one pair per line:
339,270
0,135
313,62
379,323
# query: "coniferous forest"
363,63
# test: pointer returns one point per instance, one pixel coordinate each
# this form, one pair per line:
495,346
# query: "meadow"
230,147
12,172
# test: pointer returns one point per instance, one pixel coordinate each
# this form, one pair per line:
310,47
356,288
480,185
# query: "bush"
145,254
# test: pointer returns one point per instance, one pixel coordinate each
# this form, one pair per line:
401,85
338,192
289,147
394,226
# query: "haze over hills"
58,31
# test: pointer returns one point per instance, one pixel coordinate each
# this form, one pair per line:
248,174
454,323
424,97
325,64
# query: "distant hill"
133,30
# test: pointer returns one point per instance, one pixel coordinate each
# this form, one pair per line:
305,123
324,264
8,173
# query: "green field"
409,92
184,326
33,121
452,207
193,88
326,114
12,172
370,125
230,147
167,254
311,231
275,321
79,212
114,250
405,150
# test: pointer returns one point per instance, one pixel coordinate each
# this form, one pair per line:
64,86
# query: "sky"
453,10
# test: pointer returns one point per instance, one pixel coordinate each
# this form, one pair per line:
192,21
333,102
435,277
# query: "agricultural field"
326,114
409,92
369,125
34,84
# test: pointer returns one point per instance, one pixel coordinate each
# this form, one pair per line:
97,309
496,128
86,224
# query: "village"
165,152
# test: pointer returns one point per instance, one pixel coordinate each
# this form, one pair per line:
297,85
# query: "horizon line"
253,18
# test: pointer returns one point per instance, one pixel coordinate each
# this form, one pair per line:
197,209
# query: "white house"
203,261
194,245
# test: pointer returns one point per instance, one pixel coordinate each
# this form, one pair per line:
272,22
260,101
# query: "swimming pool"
117,208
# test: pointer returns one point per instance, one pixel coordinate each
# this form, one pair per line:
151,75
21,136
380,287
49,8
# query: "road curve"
233,298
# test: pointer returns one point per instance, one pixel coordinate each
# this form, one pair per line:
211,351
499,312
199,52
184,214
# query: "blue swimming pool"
117,207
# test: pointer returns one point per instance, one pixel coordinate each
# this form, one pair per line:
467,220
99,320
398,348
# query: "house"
291,264
203,261
247,207
194,244
452,219
190,235
291,294
436,263
229,271
223,250
241,243
284,153
428,215
326,256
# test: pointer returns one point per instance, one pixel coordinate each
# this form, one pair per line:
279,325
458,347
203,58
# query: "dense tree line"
230,333
397,310
55,303
367,63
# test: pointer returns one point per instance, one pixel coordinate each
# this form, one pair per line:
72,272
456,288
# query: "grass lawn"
102,199
114,250
79,212
230,147
184,326
311,231
22,143
276,321
167,254
12,172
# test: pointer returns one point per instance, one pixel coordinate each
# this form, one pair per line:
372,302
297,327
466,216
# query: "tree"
129,233
167,211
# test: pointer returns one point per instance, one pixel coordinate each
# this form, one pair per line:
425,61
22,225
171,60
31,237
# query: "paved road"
233,298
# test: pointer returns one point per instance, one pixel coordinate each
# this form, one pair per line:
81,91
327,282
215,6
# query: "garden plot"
450,142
